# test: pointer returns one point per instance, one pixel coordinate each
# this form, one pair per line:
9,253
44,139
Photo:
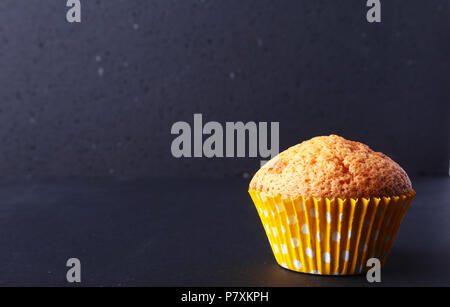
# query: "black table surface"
186,233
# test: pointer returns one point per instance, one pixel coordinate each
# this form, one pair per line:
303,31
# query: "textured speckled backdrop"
99,98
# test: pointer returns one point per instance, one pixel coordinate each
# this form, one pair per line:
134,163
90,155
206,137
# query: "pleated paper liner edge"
330,236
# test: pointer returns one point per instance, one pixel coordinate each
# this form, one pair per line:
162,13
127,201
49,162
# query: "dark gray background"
128,233
99,98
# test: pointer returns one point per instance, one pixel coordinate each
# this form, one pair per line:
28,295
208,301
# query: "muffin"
329,204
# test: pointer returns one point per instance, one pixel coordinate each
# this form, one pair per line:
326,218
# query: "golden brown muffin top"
331,166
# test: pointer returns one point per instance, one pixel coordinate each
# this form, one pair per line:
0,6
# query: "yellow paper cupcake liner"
330,236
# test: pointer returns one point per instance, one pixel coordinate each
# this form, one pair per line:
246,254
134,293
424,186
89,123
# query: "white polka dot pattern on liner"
316,272
274,231
305,229
263,196
275,248
336,237
297,264
300,206
376,234
280,207
363,247
324,244
345,255
292,220
360,268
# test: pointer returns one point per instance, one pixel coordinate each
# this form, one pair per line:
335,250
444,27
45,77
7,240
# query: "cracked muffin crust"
332,167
